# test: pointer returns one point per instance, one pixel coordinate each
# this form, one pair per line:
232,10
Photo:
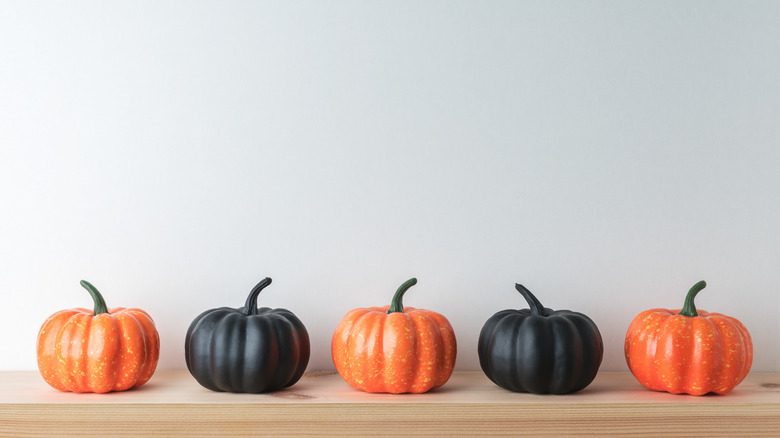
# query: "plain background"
607,155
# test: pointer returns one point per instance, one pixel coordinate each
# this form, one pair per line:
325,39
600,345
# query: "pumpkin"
540,350
247,349
99,350
688,351
394,349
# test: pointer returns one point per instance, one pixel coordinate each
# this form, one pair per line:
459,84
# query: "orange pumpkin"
104,350
394,349
687,350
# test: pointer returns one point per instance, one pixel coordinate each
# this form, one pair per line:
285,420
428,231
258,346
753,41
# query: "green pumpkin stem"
250,308
689,309
536,307
396,305
100,303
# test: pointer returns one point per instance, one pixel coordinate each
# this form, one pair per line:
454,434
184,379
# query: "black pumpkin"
247,349
540,350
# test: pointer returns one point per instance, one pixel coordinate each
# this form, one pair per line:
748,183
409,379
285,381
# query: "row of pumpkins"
394,349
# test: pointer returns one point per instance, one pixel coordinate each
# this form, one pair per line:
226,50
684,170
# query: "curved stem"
689,309
396,305
536,307
250,308
100,303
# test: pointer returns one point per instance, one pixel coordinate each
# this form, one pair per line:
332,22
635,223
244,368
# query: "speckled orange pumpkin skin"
709,353
410,351
112,351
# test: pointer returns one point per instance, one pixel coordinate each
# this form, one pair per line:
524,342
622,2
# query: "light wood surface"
173,404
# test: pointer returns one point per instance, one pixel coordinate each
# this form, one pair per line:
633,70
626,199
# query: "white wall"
607,155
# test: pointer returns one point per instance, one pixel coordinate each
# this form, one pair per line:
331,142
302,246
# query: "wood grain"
173,404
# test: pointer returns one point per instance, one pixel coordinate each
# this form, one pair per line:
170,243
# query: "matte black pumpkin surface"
540,350
247,349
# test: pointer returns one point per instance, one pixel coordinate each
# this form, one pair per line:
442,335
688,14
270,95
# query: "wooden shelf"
173,404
